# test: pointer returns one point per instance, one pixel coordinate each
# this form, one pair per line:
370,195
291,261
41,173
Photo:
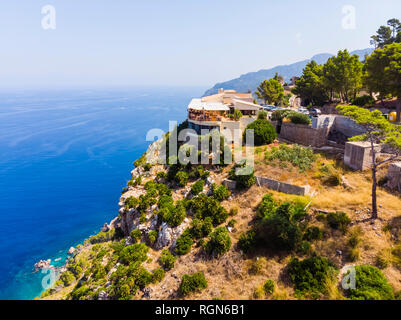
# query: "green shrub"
182,178
237,115
165,201
134,253
192,283
221,193
300,157
232,223
309,275
363,101
203,206
262,115
135,181
80,293
184,243
147,166
152,236
264,132
267,207
304,248
136,235
247,241
313,233
370,284
144,278
268,287
219,243
158,275
167,260
131,202
299,118
201,228
279,115
338,220
161,175
104,236
67,278
279,230
244,175
176,215
233,212
197,187
141,161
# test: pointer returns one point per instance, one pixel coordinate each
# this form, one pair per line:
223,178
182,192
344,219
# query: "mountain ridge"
251,80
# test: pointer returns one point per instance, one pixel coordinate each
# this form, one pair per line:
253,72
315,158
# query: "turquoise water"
65,156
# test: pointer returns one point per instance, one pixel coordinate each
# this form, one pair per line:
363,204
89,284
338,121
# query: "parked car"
303,110
314,112
269,108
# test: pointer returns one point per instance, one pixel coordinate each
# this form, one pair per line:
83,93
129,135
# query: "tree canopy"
383,72
387,34
271,91
340,75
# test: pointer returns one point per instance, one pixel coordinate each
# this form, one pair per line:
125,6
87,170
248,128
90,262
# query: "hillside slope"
111,265
251,80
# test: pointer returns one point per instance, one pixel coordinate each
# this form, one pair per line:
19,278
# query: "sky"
174,42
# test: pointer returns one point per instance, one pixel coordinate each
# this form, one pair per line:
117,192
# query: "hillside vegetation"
251,243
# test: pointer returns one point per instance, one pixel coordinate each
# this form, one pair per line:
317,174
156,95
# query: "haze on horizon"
176,42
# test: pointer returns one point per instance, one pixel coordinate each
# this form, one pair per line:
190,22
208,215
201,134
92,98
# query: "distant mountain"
250,81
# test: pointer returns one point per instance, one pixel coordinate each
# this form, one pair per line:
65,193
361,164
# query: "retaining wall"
274,185
304,135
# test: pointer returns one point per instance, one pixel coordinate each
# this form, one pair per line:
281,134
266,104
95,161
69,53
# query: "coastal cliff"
181,234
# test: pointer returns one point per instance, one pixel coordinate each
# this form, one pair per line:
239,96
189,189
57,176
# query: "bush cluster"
192,283
264,132
201,228
197,187
203,206
278,227
364,100
167,260
299,118
184,243
300,157
309,276
136,235
219,242
370,284
243,175
220,193
172,214
338,220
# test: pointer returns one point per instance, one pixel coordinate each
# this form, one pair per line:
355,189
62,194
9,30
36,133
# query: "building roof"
198,104
245,105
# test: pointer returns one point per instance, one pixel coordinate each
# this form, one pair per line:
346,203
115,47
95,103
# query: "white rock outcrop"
168,236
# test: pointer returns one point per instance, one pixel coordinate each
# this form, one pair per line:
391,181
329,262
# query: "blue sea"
65,156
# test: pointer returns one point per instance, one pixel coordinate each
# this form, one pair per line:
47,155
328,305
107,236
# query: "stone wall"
274,185
394,176
305,135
